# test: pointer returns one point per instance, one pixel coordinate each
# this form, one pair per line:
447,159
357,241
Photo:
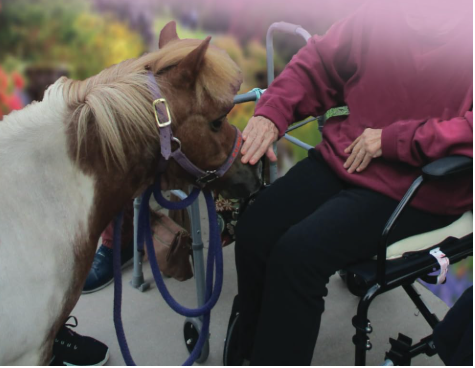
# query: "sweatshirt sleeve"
313,81
417,142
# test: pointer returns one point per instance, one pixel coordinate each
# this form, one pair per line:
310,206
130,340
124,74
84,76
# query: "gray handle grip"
245,97
286,27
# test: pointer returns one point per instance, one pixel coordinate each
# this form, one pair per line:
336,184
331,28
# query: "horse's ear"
189,68
168,34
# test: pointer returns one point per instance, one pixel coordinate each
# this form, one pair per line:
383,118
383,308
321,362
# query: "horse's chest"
40,224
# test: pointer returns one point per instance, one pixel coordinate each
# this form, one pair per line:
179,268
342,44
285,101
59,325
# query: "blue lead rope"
215,258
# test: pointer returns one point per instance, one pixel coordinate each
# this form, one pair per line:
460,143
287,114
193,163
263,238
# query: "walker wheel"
191,332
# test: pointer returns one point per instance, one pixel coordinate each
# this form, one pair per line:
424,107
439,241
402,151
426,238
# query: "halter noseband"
164,121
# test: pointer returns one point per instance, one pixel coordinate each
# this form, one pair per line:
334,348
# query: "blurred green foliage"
63,33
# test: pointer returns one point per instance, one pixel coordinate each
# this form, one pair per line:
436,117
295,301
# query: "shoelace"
71,332
66,324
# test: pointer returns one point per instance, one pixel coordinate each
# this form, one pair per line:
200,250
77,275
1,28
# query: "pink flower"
14,103
3,80
18,80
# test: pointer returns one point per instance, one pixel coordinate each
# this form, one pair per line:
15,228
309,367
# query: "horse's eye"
216,124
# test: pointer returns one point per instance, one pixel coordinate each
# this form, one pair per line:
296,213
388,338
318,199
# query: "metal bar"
298,142
197,246
422,347
382,247
361,339
430,317
198,256
305,122
138,281
282,27
182,195
287,28
246,97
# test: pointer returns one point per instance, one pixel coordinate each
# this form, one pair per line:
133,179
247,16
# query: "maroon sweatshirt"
399,71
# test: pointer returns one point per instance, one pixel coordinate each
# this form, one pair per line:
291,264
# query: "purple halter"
163,118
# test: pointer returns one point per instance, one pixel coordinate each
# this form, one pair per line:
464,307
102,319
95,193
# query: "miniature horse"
70,163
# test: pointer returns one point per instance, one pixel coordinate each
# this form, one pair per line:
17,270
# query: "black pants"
299,232
453,337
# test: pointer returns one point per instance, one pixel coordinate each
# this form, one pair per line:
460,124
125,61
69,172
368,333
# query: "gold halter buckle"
163,101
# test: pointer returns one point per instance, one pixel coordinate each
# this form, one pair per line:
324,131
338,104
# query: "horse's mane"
119,102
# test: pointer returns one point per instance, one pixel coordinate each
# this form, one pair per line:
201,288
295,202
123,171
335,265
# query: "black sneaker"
70,348
102,271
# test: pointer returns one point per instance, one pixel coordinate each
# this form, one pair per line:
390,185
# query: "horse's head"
199,82
114,131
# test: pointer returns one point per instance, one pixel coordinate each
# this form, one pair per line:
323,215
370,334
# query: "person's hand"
259,135
366,147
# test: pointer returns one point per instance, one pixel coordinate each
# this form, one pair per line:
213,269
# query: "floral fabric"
227,211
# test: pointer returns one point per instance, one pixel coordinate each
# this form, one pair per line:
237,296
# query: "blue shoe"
102,273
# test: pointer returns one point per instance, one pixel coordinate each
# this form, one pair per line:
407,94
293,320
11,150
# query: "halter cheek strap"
163,119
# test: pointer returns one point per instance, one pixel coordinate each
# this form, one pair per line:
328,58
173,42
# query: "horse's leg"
31,358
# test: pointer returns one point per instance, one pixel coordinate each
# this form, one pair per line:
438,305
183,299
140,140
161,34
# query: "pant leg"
285,203
127,229
453,336
343,230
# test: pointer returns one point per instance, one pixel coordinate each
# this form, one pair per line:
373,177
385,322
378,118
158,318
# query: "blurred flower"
3,98
18,80
14,103
10,89
3,80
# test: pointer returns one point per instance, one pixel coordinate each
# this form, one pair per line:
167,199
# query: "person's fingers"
271,154
357,161
248,129
352,157
351,146
264,146
248,144
364,164
256,144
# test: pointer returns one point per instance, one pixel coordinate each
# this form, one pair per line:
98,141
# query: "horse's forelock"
120,94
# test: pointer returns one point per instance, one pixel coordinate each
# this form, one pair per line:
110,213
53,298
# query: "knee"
297,254
294,264
290,249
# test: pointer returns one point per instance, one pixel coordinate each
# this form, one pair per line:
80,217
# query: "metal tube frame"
138,281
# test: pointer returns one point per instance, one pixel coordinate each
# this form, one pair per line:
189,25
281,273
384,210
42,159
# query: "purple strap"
204,177
165,132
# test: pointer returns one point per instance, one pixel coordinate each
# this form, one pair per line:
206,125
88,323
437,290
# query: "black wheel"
342,274
356,284
191,333
231,353
230,343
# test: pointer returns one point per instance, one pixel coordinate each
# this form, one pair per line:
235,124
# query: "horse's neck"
43,196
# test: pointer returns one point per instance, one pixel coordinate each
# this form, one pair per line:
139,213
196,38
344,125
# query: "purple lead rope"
215,257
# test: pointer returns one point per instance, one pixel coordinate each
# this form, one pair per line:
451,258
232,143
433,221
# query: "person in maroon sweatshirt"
404,69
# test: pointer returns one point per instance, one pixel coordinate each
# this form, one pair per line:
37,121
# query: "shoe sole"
128,263
104,361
